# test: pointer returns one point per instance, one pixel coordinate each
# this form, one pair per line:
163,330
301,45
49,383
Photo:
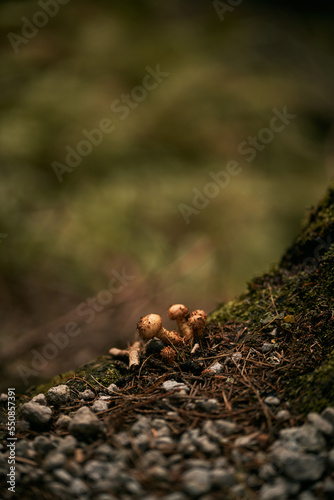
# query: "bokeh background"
118,210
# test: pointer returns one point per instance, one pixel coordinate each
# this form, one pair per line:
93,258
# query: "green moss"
316,391
302,286
100,372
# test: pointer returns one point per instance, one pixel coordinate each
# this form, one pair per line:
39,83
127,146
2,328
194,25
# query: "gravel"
151,458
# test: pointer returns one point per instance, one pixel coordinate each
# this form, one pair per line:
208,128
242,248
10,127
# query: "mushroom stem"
119,353
179,313
134,351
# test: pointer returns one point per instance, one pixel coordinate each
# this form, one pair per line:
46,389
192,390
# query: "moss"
297,298
100,372
316,391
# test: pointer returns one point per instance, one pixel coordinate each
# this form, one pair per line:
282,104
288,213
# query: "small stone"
112,388
283,415
23,447
267,472
105,496
58,395
236,357
245,441
58,489
272,401
86,425
100,405
299,466
96,470
79,488
63,421
207,447
196,482
220,463
320,423
209,405
328,487
63,476
43,444
197,463
142,424
36,414
67,445
40,399
328,414
223,478
158,473
173,496
273,492
3,397
86,395
226,427
171,385
216,368
104,451
133,486
306,495
54,460
305,437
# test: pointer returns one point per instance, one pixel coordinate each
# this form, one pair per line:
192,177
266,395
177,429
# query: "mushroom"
151,326
196,321
168,355
199,312
179,312
197,324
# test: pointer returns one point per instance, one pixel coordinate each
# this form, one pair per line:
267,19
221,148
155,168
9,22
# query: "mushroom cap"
200,313
177,311
149,325
197,322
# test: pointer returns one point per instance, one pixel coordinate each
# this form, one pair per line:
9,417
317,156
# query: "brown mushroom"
151,326
168,355
197,324
196,321
179,313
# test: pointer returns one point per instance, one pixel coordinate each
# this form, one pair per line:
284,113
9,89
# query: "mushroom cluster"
190,327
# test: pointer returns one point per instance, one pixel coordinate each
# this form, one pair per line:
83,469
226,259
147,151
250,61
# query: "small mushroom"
179,313
199,312
151,326
132,353
197,324
168,355
196,321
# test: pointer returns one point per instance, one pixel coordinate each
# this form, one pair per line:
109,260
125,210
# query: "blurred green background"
119,208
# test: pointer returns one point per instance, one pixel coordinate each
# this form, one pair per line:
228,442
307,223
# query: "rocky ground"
70,452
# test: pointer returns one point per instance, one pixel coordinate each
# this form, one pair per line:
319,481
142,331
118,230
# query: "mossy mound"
297,298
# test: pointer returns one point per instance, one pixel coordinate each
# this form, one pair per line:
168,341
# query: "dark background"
119,209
